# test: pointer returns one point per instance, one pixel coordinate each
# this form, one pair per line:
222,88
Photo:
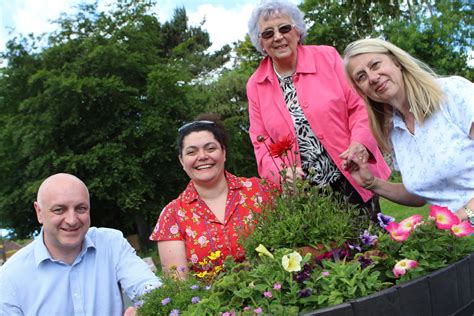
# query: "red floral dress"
188,218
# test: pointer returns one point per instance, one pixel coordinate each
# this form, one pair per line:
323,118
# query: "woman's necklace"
280,76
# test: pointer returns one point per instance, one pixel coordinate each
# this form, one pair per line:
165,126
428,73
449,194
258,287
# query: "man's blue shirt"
32,283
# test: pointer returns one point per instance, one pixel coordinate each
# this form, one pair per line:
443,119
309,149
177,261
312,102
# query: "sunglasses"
282,29
194,123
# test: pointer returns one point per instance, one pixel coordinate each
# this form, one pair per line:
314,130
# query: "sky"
226,20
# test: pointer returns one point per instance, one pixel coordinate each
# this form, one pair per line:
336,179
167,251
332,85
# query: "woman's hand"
352,156
290,177
360,172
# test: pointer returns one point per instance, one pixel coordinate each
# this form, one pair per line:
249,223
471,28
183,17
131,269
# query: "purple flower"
258,310
182,269
354,247
304,274
277,286
368,239
325,273
194,287
195,300
174,312
305,292
365,262
268,294
165,301
384,220
138,304
207,287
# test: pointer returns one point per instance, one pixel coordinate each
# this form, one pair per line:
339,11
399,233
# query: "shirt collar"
397,120
42,253
190,194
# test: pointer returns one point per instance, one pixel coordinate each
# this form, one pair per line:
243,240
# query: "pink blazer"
335,112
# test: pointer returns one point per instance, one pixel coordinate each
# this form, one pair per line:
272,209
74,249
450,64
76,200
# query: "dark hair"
210,122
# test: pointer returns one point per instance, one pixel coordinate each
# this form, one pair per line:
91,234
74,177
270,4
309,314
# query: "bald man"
71,268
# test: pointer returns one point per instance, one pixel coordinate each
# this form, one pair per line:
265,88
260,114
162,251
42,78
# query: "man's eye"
57,210
82,209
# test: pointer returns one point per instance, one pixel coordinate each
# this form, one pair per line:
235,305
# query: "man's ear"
38,212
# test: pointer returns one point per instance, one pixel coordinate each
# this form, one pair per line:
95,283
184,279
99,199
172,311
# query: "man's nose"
71,217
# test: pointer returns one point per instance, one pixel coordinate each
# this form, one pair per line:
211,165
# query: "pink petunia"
402,266
409,223
268,294
462,229
397,232
443,217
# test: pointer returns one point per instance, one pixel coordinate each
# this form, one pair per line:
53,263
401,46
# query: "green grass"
400,211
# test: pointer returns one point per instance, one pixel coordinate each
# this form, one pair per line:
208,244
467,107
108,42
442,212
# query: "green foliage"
431,247
436,32
103,101
243,286
344,281
309,217
180,293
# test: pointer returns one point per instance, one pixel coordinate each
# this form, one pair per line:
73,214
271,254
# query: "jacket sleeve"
268,167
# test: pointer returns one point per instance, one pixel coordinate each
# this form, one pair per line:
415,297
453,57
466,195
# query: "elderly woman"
301,91
425,121
203,221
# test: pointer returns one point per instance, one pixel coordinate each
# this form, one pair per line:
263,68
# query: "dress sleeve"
167,227
133,274
460,101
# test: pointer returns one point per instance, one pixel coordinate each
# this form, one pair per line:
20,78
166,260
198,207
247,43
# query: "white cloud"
224,26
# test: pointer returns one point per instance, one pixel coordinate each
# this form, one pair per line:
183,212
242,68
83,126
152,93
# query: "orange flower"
281,147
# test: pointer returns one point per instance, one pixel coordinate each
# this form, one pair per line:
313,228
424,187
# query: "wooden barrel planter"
448,291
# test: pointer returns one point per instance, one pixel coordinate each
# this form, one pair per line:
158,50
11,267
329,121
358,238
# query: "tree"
437,32
103,101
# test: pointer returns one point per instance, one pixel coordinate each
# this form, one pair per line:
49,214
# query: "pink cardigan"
334,110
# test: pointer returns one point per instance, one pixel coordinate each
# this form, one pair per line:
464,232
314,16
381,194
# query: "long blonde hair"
424,95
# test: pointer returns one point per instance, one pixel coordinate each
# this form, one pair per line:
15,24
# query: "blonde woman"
425,121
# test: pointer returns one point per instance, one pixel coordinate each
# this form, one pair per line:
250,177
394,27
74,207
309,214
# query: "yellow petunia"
262,251
214,255
202,274
292,262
